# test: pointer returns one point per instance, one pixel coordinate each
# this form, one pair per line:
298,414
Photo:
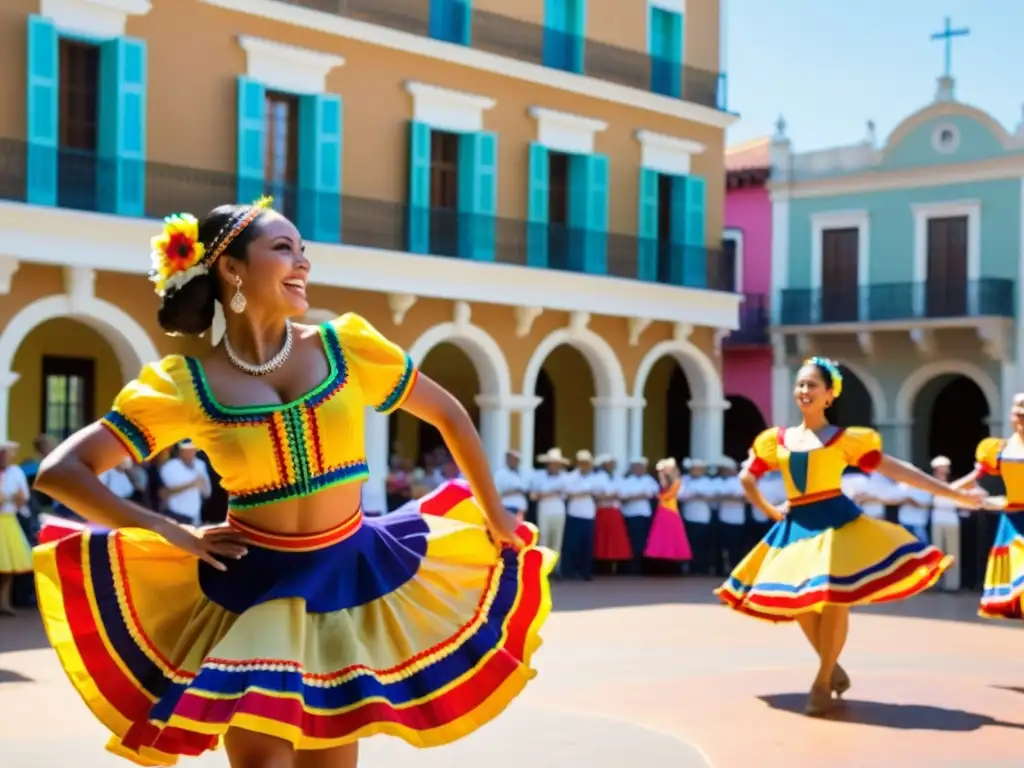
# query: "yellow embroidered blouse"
991,460
268,453
817,473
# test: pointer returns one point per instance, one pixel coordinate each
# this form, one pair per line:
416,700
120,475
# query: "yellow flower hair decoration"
177,254
833,371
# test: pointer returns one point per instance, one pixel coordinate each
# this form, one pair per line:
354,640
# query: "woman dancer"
667,539
823,555
298,626
611,539
15,552
1004,574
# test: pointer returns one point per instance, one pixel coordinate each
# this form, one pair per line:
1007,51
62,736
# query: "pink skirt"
667,540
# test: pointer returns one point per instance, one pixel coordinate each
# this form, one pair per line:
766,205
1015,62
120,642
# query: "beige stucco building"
531,202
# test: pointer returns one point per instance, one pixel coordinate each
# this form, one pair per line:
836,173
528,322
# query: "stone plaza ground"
656,674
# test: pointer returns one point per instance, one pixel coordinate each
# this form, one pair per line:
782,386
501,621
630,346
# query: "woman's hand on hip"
208,544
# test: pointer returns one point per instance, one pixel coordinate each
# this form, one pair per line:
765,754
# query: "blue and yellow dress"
414,624
825,552
1004,574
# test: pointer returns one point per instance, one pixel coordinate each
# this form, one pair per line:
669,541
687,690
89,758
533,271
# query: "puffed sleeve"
763,453
151,413
383,370
862,447
986,456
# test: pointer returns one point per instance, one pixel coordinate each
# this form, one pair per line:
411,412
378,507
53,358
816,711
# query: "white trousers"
946,536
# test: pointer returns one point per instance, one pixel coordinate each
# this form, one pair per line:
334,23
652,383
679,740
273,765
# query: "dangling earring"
237,303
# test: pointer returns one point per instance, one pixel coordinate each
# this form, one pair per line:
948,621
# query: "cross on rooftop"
947,36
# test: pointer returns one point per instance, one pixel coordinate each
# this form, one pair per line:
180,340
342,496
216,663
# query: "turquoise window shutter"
419,188
42,118
450,20
252,105
688,231
320,159
596,253
588,213
121,176
478,195
647,229
555,34
666,49
537,208
577,13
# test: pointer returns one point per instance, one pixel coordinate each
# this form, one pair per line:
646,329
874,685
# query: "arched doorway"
950,415
668,422
566,418
743,422
949,419
68,376
544,434
453,369
854,408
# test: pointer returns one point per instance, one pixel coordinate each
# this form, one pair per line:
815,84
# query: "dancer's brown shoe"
819,702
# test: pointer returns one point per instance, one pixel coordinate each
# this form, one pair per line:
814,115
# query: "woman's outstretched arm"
903,472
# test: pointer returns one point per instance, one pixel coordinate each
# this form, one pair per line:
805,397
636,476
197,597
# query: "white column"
1008,387
897,438
377,450
636,428
494,427
707,426
611,426
7,380
526,407
782,383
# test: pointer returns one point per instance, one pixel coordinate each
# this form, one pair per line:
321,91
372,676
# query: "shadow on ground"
900,717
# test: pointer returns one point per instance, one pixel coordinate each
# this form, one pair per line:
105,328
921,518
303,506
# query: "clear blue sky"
829,66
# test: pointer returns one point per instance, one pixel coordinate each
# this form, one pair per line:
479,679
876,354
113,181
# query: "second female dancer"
1004,574
300,626
823,556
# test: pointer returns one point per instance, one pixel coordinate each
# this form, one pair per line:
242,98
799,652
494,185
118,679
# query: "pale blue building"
901,258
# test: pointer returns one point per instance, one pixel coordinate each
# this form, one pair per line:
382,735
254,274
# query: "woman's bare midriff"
310,514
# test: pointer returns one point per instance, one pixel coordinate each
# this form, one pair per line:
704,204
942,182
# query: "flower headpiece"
833,371
177,254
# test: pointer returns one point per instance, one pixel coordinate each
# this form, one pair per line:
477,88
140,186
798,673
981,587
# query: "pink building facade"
747,353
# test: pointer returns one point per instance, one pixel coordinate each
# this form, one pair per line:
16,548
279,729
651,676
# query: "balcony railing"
755,317
537,44
88,183
896,302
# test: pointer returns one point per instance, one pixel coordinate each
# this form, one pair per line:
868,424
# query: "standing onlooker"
913,512
186,484
732,516
695,494
946,527
511,486
639,489
582,486
122,481
548,489
15,551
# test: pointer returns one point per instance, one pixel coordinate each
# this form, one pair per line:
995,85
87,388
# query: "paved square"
655,674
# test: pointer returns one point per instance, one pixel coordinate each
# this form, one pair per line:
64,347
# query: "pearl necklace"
264,368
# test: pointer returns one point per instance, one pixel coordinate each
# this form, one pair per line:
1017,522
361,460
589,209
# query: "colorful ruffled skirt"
15,551
667,539
1004,575
414,624
611,539
826,552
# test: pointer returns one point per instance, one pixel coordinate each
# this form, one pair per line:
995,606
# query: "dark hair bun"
189,310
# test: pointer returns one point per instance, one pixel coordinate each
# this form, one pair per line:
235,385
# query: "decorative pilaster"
611,426
707,425
526,407
495,427
7,381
